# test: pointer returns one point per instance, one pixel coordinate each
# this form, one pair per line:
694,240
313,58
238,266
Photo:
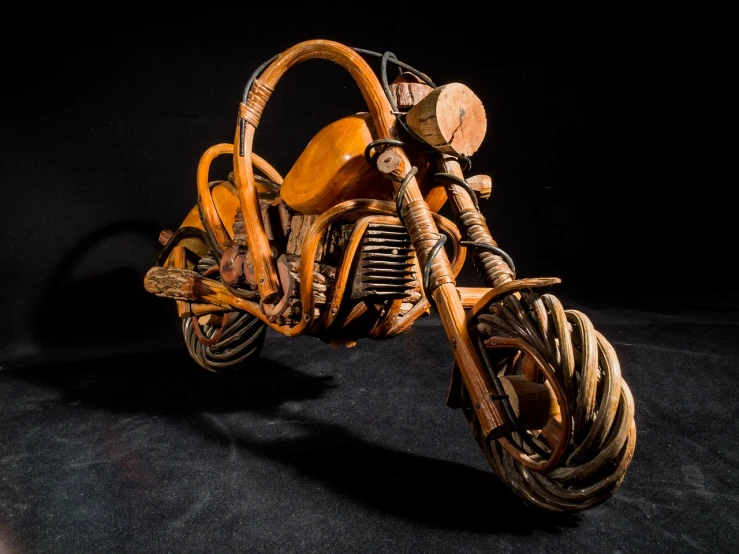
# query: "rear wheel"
229,344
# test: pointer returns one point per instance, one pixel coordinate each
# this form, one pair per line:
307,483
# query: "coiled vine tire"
237,346
597,424
234,347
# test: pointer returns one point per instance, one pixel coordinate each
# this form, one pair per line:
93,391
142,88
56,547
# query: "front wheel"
578,458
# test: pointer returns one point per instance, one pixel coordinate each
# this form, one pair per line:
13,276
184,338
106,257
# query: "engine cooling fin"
386,264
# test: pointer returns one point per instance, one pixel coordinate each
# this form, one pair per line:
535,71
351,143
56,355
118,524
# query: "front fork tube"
494,271
441,286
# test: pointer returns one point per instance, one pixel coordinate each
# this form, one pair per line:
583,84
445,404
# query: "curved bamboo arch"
209,209
355,64
249,115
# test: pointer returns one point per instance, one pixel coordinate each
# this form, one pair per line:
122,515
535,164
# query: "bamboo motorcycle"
349,244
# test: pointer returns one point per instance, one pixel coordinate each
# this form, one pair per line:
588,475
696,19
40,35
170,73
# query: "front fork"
441,285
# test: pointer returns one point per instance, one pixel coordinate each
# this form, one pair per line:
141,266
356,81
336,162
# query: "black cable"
263,66
397,62
385,58
247,89
432,254
401,190
462,183
494,249
379,142
254,76
399,209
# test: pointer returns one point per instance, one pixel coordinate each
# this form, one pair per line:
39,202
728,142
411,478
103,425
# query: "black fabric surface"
352,450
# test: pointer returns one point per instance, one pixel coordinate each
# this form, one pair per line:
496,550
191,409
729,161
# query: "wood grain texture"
524,458
179,259
202,309
214,319
422,307
209,209
471,295
491,267
482,185
354,63
182,286
450,118
416,214
249,113
591,442
408,94
344,270
388,162
164,236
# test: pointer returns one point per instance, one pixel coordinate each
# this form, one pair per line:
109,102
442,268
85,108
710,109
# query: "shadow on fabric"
429,491
110,307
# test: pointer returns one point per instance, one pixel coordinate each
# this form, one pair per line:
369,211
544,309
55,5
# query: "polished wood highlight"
471,295
332,168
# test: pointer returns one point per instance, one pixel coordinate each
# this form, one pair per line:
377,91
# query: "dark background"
603,173
607,133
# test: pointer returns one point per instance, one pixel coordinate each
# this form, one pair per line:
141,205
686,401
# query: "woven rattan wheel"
579,459
229,346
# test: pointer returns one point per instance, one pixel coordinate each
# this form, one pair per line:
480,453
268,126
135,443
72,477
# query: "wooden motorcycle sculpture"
349,244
